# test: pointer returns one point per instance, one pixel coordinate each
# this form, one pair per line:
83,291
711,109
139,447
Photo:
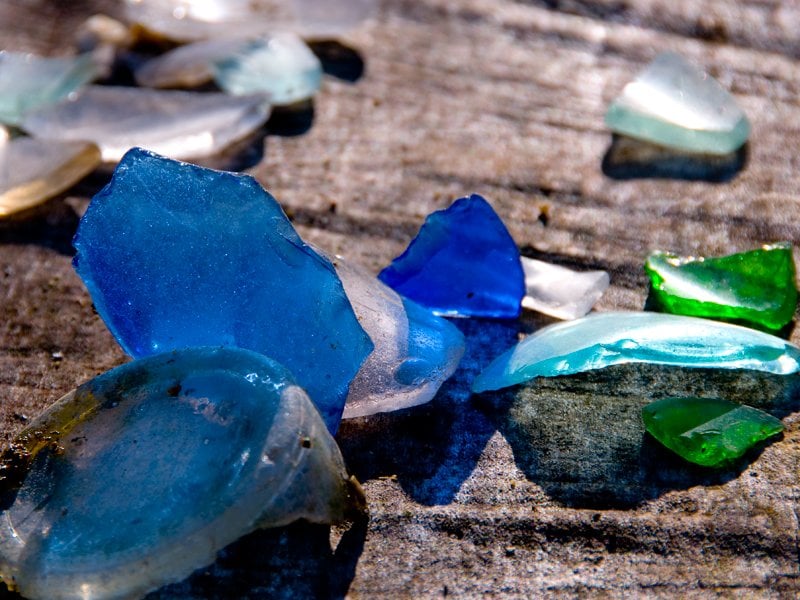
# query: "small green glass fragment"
708,431
756,287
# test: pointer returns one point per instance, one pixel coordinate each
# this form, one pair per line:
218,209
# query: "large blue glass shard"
605,339
139,476
175,255
415,351
463,262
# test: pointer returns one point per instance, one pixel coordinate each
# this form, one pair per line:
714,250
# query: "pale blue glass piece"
462,263
176,255
415,351
673,103
141,475
606,339
282,66
29,82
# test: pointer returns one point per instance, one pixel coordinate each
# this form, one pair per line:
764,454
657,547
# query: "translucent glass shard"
756,287
141,475
280,65
176,256
604,339
415,351
560,292
32,171
283,67
175,124
29,82
672,103
463,262
708,431
190,20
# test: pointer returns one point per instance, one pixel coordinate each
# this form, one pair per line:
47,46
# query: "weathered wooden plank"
550,489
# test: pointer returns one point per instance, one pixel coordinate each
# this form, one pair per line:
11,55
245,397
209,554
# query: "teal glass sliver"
605,339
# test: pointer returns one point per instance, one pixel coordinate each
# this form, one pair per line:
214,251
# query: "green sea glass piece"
708,431
672,103
756,287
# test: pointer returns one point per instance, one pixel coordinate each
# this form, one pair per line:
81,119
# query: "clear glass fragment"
180,125
561,292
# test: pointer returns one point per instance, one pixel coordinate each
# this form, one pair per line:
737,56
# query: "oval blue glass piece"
139,476
463,262
176,255
605,339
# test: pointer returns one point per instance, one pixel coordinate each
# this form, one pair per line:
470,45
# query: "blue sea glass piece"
462,263
415,351
139,476
28,82
605,339
175,255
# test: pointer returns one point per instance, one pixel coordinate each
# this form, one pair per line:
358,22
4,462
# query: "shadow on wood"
581,437
628,158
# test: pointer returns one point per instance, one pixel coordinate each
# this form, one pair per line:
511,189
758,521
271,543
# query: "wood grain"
550,489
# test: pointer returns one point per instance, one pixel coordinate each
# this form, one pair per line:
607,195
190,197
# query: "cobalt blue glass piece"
462,263
176,256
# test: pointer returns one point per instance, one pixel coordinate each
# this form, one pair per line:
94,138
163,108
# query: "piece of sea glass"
672,103
176,255
463,263
561,292
32,171
176,124
708,431
191,20
603,339
280,65
139,476
415,351
755,287
29,82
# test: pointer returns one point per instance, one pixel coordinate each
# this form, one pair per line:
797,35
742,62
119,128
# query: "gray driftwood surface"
547,489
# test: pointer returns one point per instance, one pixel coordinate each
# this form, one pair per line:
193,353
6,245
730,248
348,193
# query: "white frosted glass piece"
561,292
179,125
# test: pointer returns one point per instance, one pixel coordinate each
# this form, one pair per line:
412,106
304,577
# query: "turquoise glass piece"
29,82
176,255
605,339
139,476
674,104
415,351
463,263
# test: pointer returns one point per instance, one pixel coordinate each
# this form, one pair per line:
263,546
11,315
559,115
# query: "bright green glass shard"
708,431
756,287
672,103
